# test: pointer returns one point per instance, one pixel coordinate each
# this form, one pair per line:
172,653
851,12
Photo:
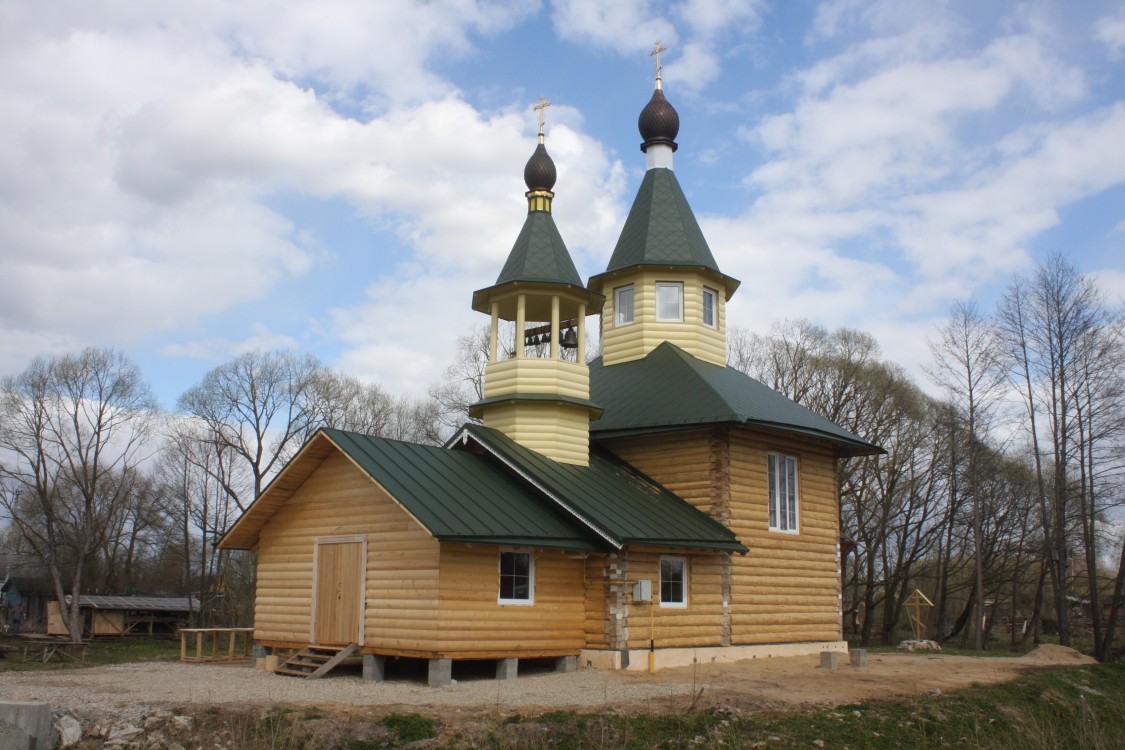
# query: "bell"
569,339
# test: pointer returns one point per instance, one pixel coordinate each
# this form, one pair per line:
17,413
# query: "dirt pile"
1050,655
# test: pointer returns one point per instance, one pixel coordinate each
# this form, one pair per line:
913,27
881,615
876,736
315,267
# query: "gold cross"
541,108
656,53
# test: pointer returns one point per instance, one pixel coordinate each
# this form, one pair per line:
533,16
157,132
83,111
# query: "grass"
1056,708
96,653
1082,707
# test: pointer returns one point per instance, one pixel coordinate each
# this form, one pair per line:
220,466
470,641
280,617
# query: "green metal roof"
661,230
539,255
501,493
670,389
460,496
613,500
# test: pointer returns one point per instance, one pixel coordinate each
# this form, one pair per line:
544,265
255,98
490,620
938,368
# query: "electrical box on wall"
642,590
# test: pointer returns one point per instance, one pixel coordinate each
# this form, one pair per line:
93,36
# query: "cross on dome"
541,108
656,53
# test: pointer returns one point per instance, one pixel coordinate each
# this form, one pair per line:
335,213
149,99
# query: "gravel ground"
126,692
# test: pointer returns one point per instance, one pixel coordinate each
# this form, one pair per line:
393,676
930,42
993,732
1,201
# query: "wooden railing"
236,649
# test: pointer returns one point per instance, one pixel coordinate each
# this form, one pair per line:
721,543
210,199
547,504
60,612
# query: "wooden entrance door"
338,605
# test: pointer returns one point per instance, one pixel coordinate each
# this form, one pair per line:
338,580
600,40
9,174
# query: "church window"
623,305
673,582
517,577
669,301
783,492
709,300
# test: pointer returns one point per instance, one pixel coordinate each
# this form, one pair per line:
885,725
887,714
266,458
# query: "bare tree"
967,366
69,425
258,405
1047,321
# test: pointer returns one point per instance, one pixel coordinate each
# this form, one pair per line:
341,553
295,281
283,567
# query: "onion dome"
659,123
539,174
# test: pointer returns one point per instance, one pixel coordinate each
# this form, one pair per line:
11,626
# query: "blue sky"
188,181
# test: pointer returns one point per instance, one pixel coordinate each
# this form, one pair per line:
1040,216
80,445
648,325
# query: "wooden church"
650,508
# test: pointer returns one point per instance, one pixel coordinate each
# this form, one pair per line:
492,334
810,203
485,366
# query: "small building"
30,592
124,615
650,508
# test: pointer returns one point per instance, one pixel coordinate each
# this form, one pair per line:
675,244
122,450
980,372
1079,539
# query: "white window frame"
684,574
784,516
530,577
679,287
618,319
714,295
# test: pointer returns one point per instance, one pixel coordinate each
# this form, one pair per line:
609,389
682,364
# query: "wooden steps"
314,662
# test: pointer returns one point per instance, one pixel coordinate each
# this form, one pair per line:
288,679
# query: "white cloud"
1110,31
628,27
143,148
218,349
694,30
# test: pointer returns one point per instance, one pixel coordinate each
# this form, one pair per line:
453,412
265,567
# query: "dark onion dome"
659,123
539,174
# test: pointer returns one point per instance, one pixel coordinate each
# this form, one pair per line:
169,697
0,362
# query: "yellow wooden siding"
402,573
635,340
558,431
536,375
697,624
475,625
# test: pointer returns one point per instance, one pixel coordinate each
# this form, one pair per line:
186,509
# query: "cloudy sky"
186,181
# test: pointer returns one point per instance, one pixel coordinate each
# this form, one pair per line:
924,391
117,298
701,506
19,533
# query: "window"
709,299
669,301
517,577
783,493
673,582
623,305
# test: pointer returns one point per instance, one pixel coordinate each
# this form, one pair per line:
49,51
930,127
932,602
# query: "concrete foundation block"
25,724
271,663
566,664
440,672
261,652
859,657
507,669
829,660
374,668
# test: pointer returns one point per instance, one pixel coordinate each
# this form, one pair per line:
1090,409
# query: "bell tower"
537,389
662,282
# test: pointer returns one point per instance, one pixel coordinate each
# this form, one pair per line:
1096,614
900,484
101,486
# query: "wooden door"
338,608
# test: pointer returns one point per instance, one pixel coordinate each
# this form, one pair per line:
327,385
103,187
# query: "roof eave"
729,283
844,448
482,298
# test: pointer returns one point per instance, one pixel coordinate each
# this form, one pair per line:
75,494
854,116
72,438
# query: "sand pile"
1049,653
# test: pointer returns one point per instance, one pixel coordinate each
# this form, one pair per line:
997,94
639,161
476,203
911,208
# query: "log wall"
402,562
697,624
787,588
475,625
